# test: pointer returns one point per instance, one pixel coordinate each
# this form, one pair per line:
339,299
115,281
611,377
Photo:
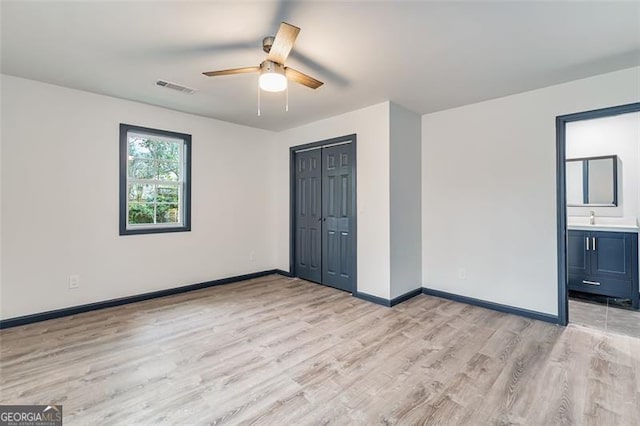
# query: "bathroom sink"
611,224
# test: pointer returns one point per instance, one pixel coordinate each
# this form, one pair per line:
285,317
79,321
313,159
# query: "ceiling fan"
273,73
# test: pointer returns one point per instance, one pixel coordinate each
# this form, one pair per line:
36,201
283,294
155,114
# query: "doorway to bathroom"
598,198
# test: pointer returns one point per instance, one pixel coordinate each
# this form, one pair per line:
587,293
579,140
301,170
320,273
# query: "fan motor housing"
268,66
267,42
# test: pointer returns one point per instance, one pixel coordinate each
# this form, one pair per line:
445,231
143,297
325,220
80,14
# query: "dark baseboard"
368,297
283,273
403,297
373,299
73,310
386,302
491,305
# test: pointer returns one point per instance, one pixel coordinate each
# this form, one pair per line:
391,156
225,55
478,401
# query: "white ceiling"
425,56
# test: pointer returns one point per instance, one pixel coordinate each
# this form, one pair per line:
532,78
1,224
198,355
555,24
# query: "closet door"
308,245
338,211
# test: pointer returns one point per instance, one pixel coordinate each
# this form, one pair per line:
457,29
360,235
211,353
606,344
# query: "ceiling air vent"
174,86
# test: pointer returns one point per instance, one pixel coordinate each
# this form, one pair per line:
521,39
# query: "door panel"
338,244
612,257
308,215
577,253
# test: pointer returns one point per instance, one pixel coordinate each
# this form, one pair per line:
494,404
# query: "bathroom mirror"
592,181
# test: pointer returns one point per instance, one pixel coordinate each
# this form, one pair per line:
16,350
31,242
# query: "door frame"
352,139
561,193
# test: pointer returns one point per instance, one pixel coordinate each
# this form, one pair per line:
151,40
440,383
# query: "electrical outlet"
462,273
252,255
74,281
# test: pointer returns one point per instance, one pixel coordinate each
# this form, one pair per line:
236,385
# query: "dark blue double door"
325,201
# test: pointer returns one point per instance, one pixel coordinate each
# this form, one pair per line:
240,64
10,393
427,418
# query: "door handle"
594,243
590,282
587,238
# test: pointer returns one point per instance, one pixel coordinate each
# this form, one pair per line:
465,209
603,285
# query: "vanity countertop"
603,224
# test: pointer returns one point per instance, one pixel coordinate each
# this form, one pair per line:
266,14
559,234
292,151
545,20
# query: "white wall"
489,191
60,201
405,200
618,135
1,198
371,125
488,196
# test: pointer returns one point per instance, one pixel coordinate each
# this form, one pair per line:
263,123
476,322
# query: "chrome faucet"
592,217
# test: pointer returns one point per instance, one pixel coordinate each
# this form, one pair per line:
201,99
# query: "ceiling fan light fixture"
272,77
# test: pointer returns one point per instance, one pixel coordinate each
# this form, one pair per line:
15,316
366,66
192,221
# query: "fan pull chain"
286,105
258,101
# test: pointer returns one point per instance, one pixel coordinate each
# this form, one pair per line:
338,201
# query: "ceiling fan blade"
302,78
283,43
232,71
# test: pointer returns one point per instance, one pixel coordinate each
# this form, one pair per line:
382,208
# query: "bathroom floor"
606,314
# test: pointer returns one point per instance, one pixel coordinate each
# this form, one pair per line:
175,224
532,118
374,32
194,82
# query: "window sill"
155,230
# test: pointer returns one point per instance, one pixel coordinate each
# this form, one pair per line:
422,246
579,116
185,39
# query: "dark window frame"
186,202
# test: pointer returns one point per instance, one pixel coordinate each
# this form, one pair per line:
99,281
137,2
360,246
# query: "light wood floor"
605,317
282,352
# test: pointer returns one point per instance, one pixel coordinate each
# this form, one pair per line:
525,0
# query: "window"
155,181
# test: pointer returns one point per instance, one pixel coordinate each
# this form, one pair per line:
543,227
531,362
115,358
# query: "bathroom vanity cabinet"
604,263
